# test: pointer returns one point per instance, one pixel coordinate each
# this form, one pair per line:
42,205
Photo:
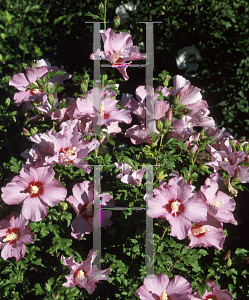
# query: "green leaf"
44,231
95,17
39,290
129,161
16,165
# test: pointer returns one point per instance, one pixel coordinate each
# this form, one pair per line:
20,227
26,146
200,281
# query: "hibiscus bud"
164,77
84,83
246,147
227,256
116,21
202,134
51,100
176,100
161,175
101,8
159,125
190,181
63,205
25,131
169,115
246,160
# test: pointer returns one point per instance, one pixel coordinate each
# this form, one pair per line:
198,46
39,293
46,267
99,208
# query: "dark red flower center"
12,235
175,207
198,231
65,153
211,297
37,90
163,296
87,210
116,56
79,273
35,189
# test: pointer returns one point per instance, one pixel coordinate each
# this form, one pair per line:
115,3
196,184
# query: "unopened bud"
63,205
159,125
246,147
190,181
228,255
169,115
101,8
161,175
84,83
116,21
25,131
165,77
246,160
202,134
176,100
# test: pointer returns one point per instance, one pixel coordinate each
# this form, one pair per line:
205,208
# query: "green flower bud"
63,205
161,175
116,21
84,83
246,147
202,134
101,8
176,100
159,125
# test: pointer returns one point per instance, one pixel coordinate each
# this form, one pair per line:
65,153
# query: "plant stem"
165,230
178,260
196,154
160,146
105,16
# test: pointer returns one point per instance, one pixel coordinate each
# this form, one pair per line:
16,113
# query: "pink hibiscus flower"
82,203
36,189
188,95
242,174
129,176
20,82
183,128
176,203
84,274
108,111
14,232
219,204
207,234
215,293
118,48
65,147
159,287
226,158
138,135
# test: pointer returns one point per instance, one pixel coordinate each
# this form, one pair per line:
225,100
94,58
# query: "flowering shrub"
72,181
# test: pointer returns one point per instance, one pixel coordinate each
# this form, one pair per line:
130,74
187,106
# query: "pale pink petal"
17,251
14,192
53,193
34,209
157,284
195,210
179,285
80,227
19,81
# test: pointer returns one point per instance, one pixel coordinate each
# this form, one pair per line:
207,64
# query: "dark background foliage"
56,30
